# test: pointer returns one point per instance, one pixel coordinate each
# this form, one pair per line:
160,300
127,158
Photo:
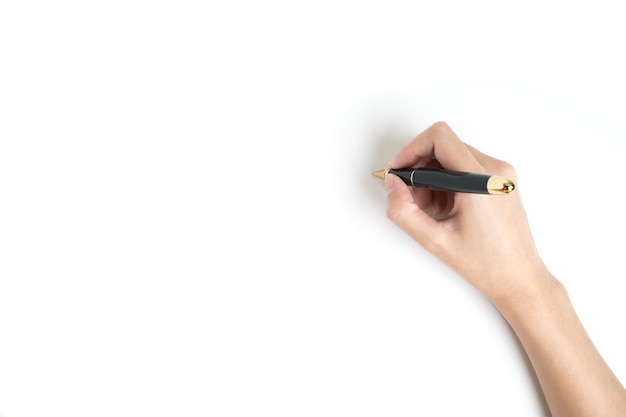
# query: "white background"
188,224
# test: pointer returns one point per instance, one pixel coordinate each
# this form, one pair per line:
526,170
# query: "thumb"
405,213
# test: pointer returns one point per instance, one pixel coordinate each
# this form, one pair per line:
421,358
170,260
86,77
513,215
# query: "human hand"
485,238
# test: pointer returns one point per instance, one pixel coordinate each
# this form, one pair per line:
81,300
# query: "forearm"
574,377
488,242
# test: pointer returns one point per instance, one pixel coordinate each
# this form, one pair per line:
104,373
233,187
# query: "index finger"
438,142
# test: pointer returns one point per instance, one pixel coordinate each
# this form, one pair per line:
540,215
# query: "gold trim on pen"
381,173
499,185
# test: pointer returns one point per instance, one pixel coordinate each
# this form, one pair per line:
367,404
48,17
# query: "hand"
485,238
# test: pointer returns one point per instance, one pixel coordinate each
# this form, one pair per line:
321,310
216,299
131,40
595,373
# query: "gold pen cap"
500,185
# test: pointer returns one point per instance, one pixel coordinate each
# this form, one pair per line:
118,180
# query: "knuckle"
441,130
441,127
505,169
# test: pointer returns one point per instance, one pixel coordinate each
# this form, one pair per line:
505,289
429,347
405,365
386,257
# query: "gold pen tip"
381,173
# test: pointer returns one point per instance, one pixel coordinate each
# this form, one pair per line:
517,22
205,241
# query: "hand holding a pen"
487,240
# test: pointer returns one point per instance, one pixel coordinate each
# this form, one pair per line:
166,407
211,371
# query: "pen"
447,180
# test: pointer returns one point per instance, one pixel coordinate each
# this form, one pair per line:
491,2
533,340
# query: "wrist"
538,295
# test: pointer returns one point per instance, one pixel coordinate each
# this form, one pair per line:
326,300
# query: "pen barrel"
444,180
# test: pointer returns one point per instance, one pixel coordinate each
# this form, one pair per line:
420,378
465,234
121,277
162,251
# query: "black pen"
447,180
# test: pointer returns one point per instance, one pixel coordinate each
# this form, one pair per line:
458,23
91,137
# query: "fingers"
405,213
435,201
440,143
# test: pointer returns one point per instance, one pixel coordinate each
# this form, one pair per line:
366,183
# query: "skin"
465,229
